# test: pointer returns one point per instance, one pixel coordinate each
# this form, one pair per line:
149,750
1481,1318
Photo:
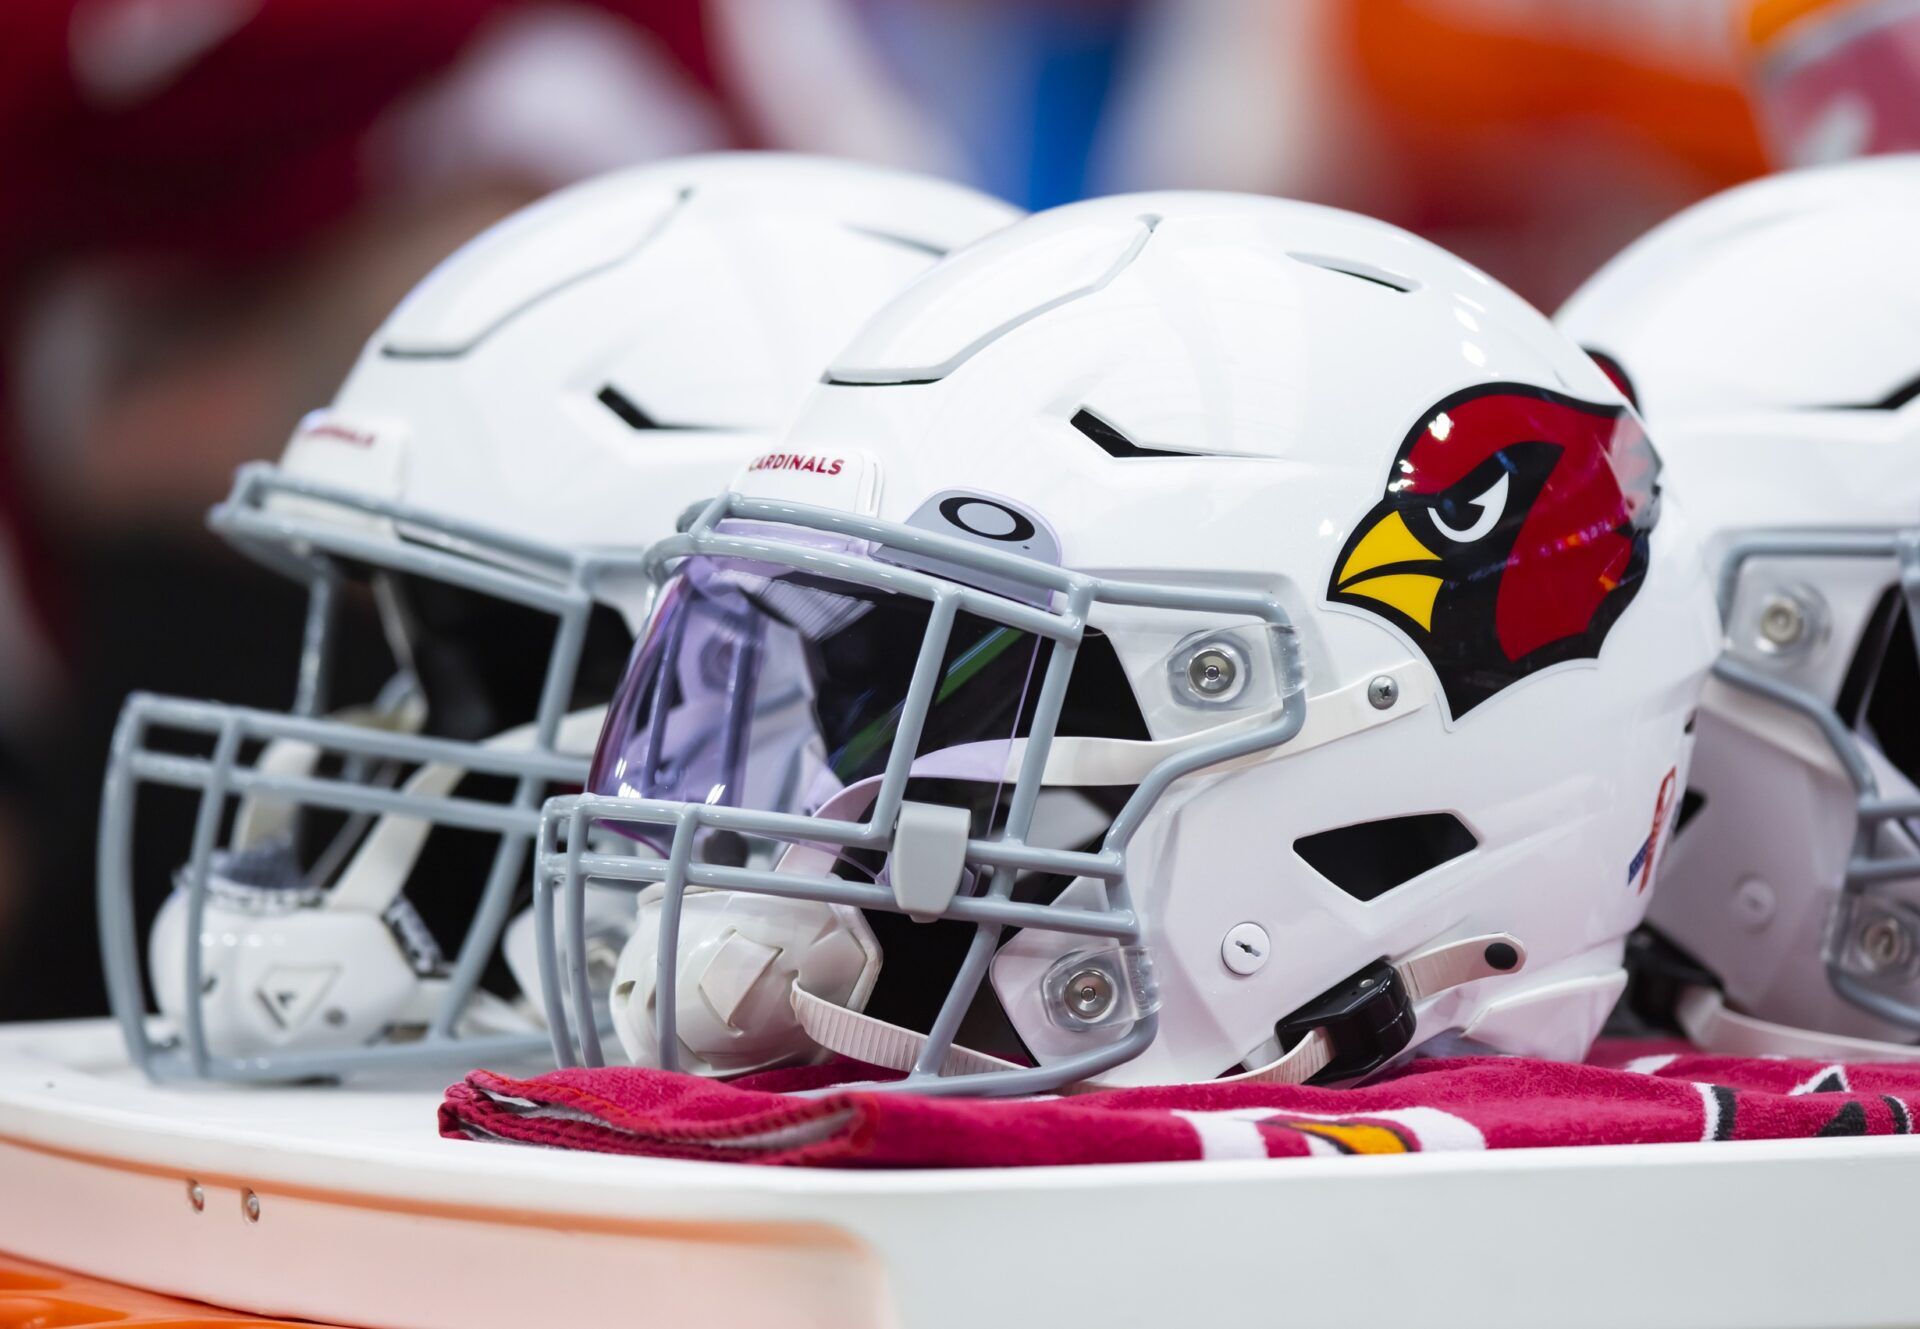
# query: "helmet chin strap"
1424,974
863,1038
1704,1018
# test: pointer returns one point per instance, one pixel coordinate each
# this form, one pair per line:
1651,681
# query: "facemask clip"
929,858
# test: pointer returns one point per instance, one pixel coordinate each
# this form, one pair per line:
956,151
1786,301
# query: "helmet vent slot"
636,419
913,242
626,408
1112,441
1896,400
1900,396
1369,859
1367,272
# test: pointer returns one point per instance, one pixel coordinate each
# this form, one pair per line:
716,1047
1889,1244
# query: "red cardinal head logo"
1513,534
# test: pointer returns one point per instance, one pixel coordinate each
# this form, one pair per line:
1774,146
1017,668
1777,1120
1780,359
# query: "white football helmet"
1316,564
539,409
1772,336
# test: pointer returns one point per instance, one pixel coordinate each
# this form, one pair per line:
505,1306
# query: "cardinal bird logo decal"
1512,536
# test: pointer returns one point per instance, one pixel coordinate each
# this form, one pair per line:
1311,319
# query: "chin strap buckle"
1362,1023
1367,1019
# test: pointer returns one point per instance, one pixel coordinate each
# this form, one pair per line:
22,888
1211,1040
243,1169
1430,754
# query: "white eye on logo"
1491,503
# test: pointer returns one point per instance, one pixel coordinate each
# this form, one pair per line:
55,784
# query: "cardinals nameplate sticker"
1512,535
845,478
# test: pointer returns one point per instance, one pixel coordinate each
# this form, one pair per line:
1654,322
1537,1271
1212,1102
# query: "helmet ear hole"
622,995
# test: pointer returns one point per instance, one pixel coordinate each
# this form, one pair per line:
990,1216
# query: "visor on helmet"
773,689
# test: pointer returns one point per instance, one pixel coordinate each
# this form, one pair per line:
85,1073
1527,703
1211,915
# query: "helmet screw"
1885,943
250,1205
1245,948
1783,621
1090,994
1754,904
1383,692
1212,672
196,1197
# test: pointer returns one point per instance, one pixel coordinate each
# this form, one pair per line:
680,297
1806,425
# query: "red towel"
1626,1095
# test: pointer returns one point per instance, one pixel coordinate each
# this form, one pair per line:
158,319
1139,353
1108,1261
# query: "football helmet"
1768,335
1324,590
540,408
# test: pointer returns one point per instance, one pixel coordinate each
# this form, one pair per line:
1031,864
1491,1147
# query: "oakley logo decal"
987,519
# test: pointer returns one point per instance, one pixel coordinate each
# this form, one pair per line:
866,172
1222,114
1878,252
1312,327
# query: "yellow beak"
1377,569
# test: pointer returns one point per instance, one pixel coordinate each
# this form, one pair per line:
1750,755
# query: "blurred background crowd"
209,204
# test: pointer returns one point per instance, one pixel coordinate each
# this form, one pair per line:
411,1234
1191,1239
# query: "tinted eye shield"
833,547
755,687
